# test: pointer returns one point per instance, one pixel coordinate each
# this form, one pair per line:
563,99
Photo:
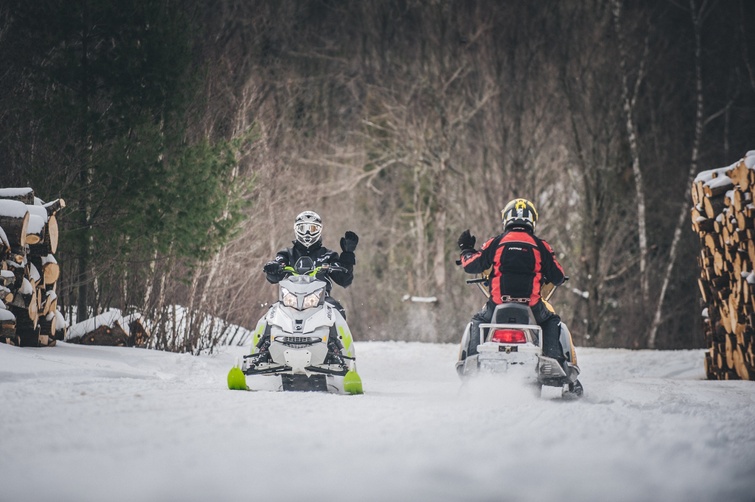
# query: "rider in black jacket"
308,229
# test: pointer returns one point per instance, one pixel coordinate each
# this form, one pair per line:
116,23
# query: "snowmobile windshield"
304,265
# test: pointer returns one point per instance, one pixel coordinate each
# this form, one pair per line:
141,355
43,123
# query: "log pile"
110,328
29,272
723,216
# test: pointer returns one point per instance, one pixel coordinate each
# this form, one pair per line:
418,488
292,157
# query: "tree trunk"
657,318
629,99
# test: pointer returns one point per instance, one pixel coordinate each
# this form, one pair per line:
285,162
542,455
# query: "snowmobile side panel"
549,369
278,319
258,331
469,366
320,318
464,345
567,344
346,339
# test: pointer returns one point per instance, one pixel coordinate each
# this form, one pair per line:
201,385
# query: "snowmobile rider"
308,230
521,263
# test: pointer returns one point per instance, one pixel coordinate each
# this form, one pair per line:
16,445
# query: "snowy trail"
82,423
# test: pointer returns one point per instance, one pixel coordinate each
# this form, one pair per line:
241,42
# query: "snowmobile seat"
513,313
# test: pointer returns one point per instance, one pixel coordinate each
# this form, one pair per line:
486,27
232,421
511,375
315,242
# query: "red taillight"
509,336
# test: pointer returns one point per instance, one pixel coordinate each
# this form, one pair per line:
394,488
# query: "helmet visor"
308,228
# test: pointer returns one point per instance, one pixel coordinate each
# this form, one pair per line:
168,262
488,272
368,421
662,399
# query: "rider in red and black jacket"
520,263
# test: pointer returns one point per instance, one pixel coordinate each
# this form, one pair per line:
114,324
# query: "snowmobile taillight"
509,336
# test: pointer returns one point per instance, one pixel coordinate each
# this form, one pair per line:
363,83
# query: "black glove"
349,241
323,272
466,241
273,267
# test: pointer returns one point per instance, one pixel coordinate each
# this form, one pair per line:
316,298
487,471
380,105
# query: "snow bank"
91,423
105,319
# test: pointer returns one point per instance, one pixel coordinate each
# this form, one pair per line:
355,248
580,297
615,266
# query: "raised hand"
466,240
349,241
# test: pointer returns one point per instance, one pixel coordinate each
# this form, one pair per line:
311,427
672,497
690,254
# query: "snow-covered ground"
84,423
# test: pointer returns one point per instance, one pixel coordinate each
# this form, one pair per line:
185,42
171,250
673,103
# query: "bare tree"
629,99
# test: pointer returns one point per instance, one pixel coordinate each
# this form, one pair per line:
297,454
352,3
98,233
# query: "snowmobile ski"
237,379
352,383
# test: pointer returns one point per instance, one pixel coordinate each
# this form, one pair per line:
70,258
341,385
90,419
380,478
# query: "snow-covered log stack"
723,216
29,314
110,328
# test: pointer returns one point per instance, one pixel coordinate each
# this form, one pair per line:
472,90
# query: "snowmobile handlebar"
548,289
479,280
326,269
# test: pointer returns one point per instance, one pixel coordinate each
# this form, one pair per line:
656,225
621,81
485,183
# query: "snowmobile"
513,339
303,342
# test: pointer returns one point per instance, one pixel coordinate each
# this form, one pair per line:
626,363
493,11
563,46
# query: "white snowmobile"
514,340
303,342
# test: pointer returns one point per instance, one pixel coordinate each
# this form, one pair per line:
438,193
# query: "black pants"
549,321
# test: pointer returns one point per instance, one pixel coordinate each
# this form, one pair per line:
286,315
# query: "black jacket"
320,255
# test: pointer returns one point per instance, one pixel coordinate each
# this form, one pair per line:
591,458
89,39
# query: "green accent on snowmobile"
236,379
347,340
257,335
352,383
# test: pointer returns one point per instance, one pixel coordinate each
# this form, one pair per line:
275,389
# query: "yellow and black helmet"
519,213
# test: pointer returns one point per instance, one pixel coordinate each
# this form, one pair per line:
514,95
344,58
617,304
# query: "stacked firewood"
110,328
723,216
29,272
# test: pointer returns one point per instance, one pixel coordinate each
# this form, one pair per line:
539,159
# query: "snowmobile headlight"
312,299
289,299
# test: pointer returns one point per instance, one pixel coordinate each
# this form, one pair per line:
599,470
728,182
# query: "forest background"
186,135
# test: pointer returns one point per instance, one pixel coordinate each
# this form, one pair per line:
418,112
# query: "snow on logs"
110,328
29,315
723,216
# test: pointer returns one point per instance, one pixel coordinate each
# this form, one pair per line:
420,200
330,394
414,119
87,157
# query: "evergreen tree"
111,88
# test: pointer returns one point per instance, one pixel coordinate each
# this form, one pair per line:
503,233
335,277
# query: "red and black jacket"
521,263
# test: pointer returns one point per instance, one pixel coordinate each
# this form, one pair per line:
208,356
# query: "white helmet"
308,228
